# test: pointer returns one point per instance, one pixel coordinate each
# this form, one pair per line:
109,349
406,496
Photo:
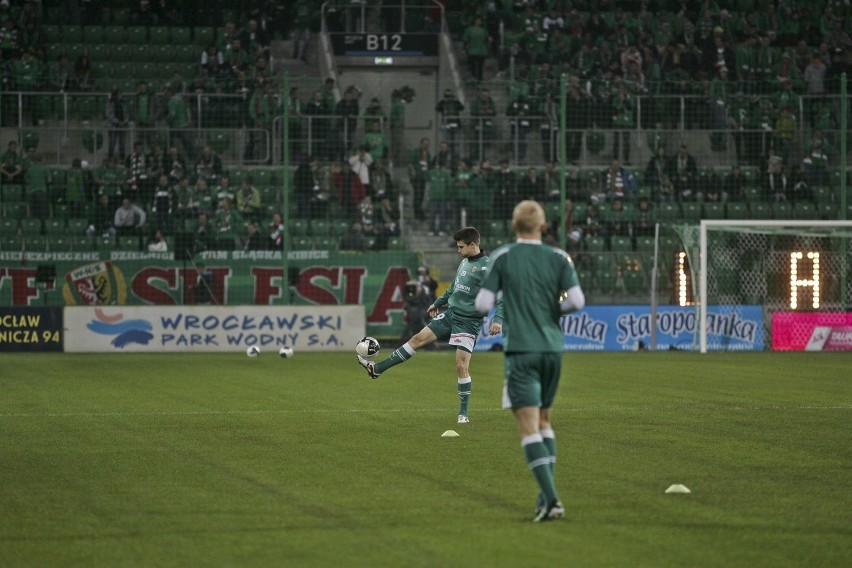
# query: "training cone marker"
450,434
678,489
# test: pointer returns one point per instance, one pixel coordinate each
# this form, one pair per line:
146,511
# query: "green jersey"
531,277
38,176
461,295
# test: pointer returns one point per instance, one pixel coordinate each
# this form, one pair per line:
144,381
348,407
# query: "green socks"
464,386
540,463
401,355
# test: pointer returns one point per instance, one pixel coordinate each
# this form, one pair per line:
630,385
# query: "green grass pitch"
222,460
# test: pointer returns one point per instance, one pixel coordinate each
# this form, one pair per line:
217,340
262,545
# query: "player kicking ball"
538,284
459,324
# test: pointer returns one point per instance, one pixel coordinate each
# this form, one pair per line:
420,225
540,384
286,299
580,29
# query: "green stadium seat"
607,281
713,210
737,210
204,36
804,211
826,211
16,209
187,70
161,54
822,194
31,139
595,243
668,212
105,244
634,281
72,34
397,243
137,52
121,54
268,194
128,243
238,174
219,141
691,212
9,227
58,244
645,245
122,71
302,243
621,244
84,107
146,71
495,228
265,176
35,243
99,52
159,35
52,33
753,194
187,54
31,227
137,35
93,34
11,243
181,35
325,243
102,70
12,192
371,243
77,227
760,210
81,244
320,228
115,35
120,16
339,228
54,227
782,210
52,51
299,227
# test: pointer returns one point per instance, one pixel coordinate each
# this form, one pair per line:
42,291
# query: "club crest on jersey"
473,269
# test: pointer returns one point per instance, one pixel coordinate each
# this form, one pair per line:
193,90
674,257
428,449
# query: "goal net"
780,268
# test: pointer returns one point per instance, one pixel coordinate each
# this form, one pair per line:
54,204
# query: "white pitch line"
409,410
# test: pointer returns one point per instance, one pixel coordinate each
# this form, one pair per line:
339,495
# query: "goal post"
782,266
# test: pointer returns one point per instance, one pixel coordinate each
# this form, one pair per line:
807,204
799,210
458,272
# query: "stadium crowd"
763,71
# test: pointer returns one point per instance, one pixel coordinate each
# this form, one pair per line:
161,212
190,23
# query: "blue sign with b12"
628,328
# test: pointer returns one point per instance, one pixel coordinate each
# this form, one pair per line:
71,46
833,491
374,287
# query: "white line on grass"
410,410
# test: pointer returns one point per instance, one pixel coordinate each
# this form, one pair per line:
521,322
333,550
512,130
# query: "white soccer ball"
253,351
367,347
285,352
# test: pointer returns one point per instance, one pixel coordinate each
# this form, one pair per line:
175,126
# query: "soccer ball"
285,352
367,347
253,351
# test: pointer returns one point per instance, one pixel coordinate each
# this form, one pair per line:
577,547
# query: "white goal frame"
749,223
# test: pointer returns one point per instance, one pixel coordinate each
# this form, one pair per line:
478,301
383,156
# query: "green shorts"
531,379
461,332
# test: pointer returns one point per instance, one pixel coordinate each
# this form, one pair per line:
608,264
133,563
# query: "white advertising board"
153,329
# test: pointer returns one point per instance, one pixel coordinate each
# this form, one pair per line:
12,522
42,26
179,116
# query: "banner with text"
212,328
812,331
30,329
622,328
375,280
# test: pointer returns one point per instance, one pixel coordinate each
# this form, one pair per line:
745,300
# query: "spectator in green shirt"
11,167
178,120
248,201
75,189
477,44
37,180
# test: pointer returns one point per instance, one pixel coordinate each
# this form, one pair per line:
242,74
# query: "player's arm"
571,297
441,300
571,300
